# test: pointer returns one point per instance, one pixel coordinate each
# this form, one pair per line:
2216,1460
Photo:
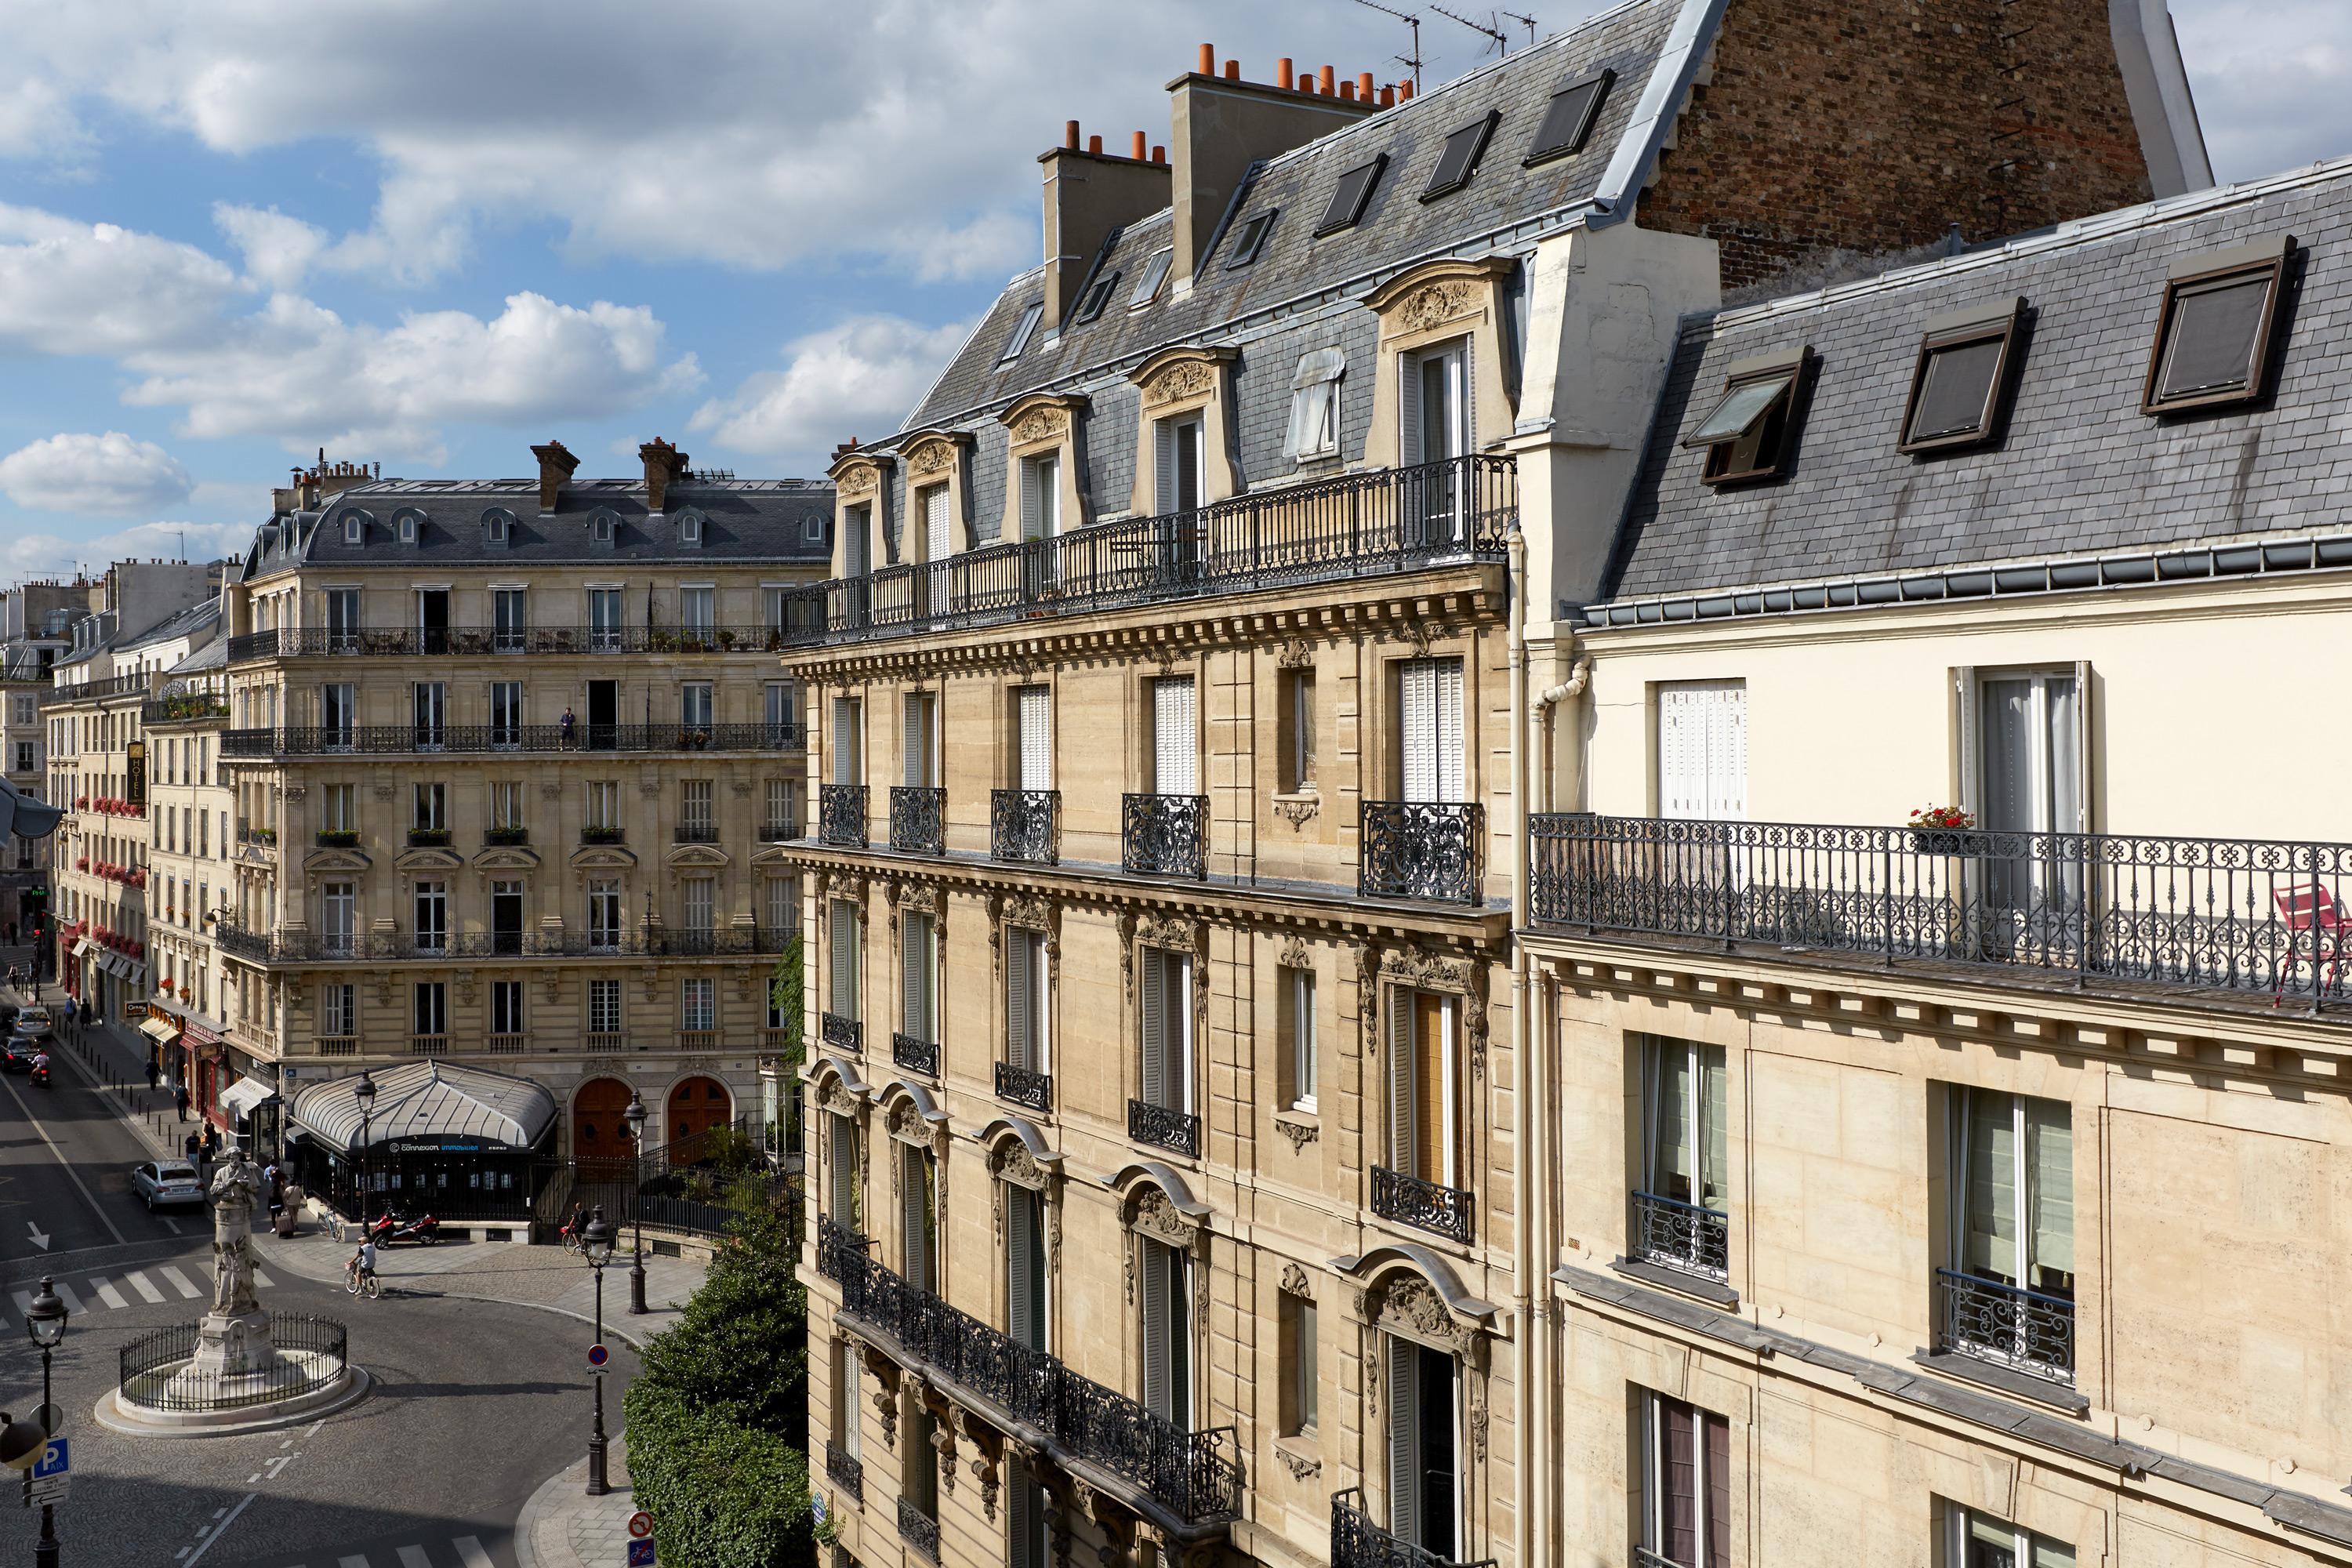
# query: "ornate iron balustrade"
428,839
841,815
1193,1474
1425,1206
1165,835
337,838
1025,824
914,1054
104,687
594,834
1413,849
458,642
1358,1543
1683,1236
919,819
317,947
1163,1128
696,833
846,1034
2249,916
772,832
844,1470
396,740
1354,526
917,1529
1022,1086
1991,1320
506,836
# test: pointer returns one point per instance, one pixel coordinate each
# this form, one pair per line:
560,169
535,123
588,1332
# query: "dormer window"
689,530
354,527
407,523
1020,338
498,525
600,529
1956,386
1350,195
1750,433
1251,237
1155,273
2216,328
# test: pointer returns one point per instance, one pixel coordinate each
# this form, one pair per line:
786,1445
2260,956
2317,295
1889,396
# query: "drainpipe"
1578,680
1534,1375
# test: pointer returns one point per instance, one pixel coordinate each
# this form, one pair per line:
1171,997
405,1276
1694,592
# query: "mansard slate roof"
1397,228
743,521
2080,469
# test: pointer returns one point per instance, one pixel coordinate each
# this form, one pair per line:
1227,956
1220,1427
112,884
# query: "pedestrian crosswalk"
463,1551
110,1292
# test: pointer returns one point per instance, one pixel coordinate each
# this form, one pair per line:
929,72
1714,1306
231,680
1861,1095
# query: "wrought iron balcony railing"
395,740
1163,1128
1425,1206
657,942
916,1055
428,838
843,1034
1358,1543
779,831
1022,1086
1993,1320
394,642
1024,826
337,838
695,833
1165,835
846,1470
2256,917
599,832
1413,850
134,685
508,836
841,815
1192,1475
1676,1235
1357,525
917,1529
919,819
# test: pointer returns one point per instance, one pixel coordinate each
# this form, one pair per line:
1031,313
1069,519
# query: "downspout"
1535,1403
1578,680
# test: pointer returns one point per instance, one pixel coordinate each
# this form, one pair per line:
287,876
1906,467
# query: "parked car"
35,1022
17,1054
165,1182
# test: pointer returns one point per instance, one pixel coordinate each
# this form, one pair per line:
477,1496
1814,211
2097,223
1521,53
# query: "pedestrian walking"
195,1148
180,1098
154,1073
68,1013
211,1142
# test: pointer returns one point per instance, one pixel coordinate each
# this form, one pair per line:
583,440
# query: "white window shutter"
844,740
844,1170
1157,1391
1032,514
1164,466
853,1399
1175,718
845,960
1154,1067
1449,730
936,532
1726,755
1465,395
1016,1000
1036,738
1417,721
915,739
1403,1081
1409,442
1405,1438
1178,1065
2079,764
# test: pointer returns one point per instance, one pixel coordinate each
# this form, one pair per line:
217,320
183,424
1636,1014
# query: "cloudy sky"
427,233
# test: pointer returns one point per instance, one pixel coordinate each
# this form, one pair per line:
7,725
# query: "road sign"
48,1490
817,1507
641,1554
641,1525
597,1356
54,1460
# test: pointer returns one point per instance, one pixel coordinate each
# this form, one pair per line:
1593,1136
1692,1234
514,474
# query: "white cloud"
69,287
2269,77
111,475
47,555
279,250
857,378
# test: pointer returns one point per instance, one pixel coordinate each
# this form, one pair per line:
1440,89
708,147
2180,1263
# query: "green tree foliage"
722,1495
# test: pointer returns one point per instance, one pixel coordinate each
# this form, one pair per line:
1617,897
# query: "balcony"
1413,850
183,709
337,838
428,1045
378,946
398,739
919,819
1425,1205
841,815
918,1529
105,686
599,832
337,1044
266,837
1176,1130
1992,1321
1165,835
484,642
696,833
842,1034
1189,1480
1024,826
697,1041
505,1045
2245,920
506,836
773,831
1022,1086
1675,1234
914,1054
1358,1543
844,1469
428,839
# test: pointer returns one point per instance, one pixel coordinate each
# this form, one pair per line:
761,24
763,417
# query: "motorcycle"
423,1229
41,1076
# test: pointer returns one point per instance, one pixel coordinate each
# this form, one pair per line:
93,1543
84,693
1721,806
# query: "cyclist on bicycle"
363,1262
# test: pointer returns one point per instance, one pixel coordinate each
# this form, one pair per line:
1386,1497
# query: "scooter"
40,1077
424,1229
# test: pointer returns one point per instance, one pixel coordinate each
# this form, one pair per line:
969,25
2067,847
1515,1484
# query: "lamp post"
636,1117
365,1094
596,1241
46,1322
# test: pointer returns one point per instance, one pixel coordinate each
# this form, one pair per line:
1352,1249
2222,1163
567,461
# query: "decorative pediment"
1419,967
1173,932
1042,418
683,857
601,858
935,453
507,857
1437,294
859,472
1180,374
321,861
914,898
1404,1303
1011,1160
773,855
429,860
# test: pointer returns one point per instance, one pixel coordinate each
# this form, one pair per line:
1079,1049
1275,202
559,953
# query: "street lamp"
46,1322
365,1094
636,1117
596,1241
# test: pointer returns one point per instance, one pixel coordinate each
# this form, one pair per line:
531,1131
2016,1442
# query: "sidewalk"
112,1058
562,1526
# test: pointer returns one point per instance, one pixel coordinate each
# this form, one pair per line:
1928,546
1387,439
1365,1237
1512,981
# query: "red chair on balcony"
2310,907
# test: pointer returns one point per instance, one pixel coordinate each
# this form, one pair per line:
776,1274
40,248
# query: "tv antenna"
1411,62
1526,21
1502,39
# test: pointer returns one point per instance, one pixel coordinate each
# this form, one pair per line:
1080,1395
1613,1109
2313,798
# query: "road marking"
174,1225
353,1563
264,1280
206,1544
108,1293
73,1302
471,1551
254,1480
414,1557
24,1304
276,1466
179,1281
138,1281
39,1240
71,1174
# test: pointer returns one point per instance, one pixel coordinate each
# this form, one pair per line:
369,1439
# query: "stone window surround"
860,478
934,456
1434,303
1176,381
1043,424
1381,717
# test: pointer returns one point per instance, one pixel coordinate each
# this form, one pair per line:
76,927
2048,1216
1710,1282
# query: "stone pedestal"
233,1342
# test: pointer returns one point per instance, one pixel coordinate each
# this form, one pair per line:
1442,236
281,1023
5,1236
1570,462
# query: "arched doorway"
696,1105
600,1137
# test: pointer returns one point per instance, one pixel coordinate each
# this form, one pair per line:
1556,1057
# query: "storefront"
254,1113
457,1142
162,1033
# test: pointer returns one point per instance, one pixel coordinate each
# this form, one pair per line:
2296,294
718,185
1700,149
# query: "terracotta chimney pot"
1159,152
1364,87
1069,133
1208,59
1282,76
1138,154
1233,71
1094,143
1327,81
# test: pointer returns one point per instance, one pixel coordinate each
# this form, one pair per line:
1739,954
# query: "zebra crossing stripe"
179,1281
414,1557
471,1551
353,1563
108,1293
73,1302
140,1282
24,1304
264,1280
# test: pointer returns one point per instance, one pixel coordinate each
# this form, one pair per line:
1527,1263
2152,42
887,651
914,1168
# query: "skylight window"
1459,161
1956,386
1569,118
1155,273
1098,292
1348,197
1251,237
1750,433
2214,333
1020,338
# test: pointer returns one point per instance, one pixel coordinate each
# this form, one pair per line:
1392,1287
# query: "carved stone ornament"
1297,653
1031,914
1478,1417
1434,303
1172,932
1011,1160
943,1443
1297,810
835,1098
1410,1305
1046,423
1368,995
1426,971
858,481
916,897
906,1125
1296,1283
1157,1217
1293,954
1298,1461
1185,378
930,457
1300,1134
985,1474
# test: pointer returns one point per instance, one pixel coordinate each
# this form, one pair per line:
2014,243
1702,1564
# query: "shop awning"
428,1100
81,946
162,1031
245,1096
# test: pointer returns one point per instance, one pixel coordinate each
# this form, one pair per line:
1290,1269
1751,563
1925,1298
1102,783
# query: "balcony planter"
338,839
599,836
506,836
1944,830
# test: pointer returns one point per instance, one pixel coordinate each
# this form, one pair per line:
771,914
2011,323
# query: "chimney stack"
665,465
556,464
1088,193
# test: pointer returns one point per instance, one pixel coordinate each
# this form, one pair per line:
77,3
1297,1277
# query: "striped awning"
160,1030
428,1100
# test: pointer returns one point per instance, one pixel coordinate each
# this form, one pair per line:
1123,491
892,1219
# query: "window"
1956,385
2215,329
1155,273
1041,496
846,759
938,541
430,1009
1166,1032
604,620
1423,1442
429,807
917,1217
1302,1376
1167,1280
497,522
604,1006
1296,1020
408,528
842,999
506,714
1175,746
694,705
781,707
697,1004
600,528
689,531
1568,119
695,820
918,956
1314,429
1026,1012
1686,1497
341,808
509,623
429,710
1429,731
604,804
1979,1540
1459,159
780,901
337,715
701,905
1025,1265
1350,195
2010,1294
1434,420
432,906
605,915
1295,726
1250,238
1424,1115
1703,751
353,527
1033,719
1681,1214
1098,294
338,916
1021,331
696,610
842,1147
856,541
336,1016
783,819
1177,454
918,742
1749,433
2031,734
506,1006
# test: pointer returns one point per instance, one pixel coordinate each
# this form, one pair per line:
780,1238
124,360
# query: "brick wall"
1875,127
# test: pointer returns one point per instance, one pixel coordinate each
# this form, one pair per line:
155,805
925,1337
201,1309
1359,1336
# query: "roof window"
1155,273
2214,332
1459,161
1956,388
499,523
1350,196
1020,338
1567,120
354,527
406,521
600,528
1251,237
1750,433
690,528
1091,304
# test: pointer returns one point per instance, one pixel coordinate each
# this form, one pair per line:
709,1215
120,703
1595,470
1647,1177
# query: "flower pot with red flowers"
1944,830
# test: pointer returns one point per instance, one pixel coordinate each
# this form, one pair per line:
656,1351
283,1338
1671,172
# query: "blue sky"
427,233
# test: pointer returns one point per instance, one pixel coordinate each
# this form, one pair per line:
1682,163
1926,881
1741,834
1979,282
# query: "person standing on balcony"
565,725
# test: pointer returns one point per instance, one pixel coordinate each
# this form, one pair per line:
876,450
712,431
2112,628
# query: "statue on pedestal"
233,1340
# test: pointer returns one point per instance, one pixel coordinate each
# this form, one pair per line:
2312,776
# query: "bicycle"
334,1225
358,1284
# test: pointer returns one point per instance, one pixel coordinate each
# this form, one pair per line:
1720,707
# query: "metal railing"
152,1373
844,1034
598,833
181,710
104,687
1993,1320
1024,826
654,941
1425,1206
1677,1234
337,838
1165,835
392,642
395,740
1022,1086
696,833
846,1470
917,1529
919,819
506,836
2243,915
428,838
914,1054
1194,1475
1163,1128
1413,849
1358,1543
775,832
841,815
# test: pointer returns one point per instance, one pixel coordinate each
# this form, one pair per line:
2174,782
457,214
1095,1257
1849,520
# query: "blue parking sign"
641,1554
54,1460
